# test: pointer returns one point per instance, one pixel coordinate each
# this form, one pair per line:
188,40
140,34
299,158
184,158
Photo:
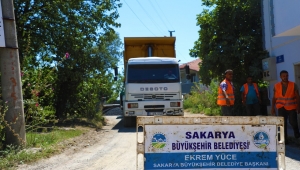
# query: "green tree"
84,82
58,26
230,37
76,35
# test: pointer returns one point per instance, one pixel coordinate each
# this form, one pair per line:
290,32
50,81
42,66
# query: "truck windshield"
153,73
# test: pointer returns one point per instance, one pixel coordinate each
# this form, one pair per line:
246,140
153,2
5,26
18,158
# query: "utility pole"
171,33
11,78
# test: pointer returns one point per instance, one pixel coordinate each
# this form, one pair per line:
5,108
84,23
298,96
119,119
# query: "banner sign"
210,147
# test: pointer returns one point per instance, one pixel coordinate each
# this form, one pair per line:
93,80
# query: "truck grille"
153,96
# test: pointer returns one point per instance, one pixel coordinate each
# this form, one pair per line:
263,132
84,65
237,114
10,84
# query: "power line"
158,14
139,18
180,53
156,25
164,14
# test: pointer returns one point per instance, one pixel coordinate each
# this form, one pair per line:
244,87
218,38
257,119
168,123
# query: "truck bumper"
153,108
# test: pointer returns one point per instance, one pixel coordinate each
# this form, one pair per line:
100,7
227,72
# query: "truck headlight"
133,105
175,104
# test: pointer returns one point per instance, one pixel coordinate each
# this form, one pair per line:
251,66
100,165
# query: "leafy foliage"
67,50
84,81
202,100
56,26
38,94
230,37
3,109
39,145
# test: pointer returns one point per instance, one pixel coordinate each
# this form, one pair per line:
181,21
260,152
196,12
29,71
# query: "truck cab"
152,83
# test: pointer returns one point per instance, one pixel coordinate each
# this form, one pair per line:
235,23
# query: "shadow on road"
121,129
292,152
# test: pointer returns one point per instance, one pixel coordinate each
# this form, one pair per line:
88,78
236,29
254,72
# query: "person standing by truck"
286,99
250,97
226,94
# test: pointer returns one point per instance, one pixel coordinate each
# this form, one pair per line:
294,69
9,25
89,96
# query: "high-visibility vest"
222,99
246,89
288,101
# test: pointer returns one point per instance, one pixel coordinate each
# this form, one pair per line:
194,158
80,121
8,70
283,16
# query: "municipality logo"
159,140
261,139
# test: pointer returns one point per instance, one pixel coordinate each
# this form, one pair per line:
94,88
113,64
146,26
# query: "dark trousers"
253,109
292,116
227,110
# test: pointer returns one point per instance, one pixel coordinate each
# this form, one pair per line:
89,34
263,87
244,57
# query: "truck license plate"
154,113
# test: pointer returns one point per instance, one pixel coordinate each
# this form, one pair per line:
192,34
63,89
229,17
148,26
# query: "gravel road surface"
113,148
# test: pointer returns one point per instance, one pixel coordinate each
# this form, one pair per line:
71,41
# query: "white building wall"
285,15
267,24
271,42
291,52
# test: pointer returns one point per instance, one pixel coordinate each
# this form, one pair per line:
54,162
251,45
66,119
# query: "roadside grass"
45,140
203,100
39,145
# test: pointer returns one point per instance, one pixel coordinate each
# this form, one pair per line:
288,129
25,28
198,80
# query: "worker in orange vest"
286,99
226,94
250,97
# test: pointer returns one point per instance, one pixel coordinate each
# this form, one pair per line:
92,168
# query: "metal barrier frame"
215,120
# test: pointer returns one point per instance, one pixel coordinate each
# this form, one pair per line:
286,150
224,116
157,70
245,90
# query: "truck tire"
129,121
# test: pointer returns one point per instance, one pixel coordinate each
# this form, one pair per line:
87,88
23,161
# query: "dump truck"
152,79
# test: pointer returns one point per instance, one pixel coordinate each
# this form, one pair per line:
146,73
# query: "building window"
193,77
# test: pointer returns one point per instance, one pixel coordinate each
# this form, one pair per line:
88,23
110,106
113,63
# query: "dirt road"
113,148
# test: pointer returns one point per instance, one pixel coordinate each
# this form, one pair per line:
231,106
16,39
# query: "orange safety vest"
222,99
288,101
247,89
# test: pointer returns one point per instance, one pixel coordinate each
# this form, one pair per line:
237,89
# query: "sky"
155,18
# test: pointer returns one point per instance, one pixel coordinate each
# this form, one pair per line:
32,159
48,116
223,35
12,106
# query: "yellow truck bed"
138,47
